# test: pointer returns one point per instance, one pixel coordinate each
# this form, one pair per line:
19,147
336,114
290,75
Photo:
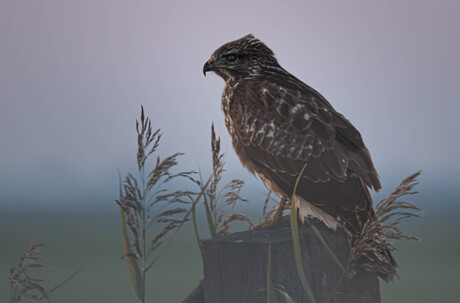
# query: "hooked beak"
208,66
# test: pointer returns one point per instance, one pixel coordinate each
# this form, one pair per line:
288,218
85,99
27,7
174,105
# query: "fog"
74,74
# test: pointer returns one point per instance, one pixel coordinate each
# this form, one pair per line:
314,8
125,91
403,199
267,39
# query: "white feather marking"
270,133
296,108
306,209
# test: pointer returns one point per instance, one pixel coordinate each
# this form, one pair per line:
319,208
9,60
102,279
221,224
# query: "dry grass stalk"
22,285
220,204
231,218
228,197
370,249
147,202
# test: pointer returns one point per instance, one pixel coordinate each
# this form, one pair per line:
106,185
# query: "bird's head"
238,59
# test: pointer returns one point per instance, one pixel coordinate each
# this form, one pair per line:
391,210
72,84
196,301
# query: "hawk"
281,127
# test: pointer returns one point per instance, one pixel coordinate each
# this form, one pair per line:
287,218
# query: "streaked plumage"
278,124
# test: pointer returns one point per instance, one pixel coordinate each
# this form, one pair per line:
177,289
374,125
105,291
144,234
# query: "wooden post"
235,268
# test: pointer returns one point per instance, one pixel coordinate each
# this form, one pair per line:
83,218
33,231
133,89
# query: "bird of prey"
281,127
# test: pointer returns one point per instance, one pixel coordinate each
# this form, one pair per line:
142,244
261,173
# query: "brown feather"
278,124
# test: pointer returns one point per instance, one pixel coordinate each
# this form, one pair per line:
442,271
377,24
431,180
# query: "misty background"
73,75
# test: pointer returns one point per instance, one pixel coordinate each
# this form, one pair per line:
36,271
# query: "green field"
429,269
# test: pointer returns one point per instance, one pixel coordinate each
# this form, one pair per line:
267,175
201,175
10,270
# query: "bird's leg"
279,210
275,219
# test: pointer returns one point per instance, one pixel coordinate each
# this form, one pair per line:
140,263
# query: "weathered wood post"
235,268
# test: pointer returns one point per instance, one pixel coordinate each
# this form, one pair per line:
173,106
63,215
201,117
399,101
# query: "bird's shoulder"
289,103
283,94
286,102
283,117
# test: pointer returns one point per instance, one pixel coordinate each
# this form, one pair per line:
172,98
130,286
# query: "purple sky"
74,73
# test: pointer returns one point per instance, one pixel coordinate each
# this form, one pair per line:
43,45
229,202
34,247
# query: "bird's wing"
283,124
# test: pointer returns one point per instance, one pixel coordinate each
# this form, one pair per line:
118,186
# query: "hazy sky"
73,75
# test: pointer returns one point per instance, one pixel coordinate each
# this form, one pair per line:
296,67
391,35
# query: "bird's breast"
227,97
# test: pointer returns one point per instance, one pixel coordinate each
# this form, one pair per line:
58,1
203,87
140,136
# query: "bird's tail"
371,247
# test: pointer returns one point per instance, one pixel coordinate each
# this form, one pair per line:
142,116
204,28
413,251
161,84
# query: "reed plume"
147,202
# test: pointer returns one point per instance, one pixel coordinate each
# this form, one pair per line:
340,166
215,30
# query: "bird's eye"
231,58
